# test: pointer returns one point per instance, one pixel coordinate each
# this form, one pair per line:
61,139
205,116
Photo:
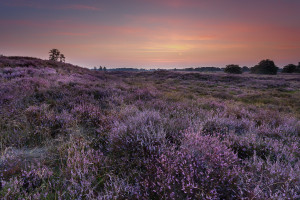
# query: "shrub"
203,168
233,69
214,128
32,183
245,69
83,168
271,180
265,67
289,68
45,123
137,138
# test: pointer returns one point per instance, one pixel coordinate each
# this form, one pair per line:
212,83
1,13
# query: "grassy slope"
148,135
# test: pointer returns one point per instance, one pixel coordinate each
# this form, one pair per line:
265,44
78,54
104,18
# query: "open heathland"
72,133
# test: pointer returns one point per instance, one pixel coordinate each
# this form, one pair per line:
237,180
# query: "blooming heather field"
71,133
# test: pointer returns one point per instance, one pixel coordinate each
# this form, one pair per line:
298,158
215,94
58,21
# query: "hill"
73,133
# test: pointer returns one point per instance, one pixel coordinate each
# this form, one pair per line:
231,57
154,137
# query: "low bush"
203,168
289,68
233,69
265,67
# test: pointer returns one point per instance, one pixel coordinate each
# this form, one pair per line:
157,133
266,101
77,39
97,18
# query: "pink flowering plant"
68,132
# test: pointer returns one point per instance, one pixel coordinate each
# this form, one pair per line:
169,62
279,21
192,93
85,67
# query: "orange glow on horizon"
156,33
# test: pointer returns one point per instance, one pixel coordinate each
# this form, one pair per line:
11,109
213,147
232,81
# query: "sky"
153,33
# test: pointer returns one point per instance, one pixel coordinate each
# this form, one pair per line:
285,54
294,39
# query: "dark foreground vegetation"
72,133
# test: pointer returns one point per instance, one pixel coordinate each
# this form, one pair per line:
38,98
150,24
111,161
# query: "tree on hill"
54,54
265,67
62,58
233,69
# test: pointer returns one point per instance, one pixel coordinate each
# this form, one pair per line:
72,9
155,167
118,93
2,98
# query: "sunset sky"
153,33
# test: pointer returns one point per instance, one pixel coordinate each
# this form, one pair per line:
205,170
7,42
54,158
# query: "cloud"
24,3
80,7
69,34
178,3
44,5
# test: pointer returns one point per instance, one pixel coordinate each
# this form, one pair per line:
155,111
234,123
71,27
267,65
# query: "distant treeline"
119,69
263,67
198,69
127,69
202,69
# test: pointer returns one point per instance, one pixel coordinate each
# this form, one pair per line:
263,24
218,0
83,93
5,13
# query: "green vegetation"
265,67
233,69
71,133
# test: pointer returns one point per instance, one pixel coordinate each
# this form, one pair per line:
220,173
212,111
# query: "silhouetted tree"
265,67
233,69
289,68
62,58
245,69
298,68
127,69
208,69
104,69
100,68
54,54
187,69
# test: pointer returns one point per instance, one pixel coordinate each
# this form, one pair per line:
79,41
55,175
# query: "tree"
298,68
100,68
233,69
265,67
62,58
104,69
54,54
289,68
245,69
